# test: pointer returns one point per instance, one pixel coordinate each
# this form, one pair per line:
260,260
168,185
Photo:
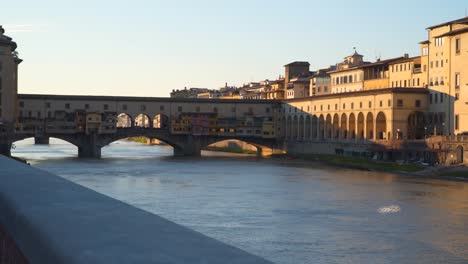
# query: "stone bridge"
89,146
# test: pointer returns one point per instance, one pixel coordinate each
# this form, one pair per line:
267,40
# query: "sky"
148,48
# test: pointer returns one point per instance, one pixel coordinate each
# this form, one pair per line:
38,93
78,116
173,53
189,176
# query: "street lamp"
398,134
425,132
443,128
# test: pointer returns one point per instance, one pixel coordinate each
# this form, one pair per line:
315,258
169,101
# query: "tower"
8,82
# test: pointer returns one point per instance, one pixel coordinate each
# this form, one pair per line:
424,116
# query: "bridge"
188,125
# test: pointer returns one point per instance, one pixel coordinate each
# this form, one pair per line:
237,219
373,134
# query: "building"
320,82
444,59
188,93
9,62
348,75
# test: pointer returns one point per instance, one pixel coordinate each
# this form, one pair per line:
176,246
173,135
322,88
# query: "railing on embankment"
47,219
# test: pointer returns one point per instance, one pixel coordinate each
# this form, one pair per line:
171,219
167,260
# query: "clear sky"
148,48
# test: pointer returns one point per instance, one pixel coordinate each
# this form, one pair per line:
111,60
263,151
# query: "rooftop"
457,21
298,63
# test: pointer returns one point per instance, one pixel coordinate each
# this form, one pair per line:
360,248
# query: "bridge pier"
41,140
88,147
5,149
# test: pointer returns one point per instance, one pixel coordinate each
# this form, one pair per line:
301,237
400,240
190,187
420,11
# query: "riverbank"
458,173
231,150
355,163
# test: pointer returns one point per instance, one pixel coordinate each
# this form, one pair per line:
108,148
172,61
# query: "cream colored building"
366,115
348,76
445,56
407,72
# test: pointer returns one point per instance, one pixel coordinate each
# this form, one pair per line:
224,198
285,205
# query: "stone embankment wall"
52,220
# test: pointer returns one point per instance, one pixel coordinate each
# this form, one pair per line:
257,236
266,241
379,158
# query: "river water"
286,211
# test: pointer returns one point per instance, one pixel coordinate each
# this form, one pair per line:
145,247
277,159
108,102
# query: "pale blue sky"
148,48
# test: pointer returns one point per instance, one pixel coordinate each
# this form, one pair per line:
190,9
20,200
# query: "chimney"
406,56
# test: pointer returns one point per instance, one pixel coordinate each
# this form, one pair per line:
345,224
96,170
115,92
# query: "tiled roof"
457,21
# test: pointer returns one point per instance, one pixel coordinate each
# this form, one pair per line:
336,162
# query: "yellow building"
349,75
445,57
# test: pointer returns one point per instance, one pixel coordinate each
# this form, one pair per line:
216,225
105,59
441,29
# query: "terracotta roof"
425,42
454,32
457,21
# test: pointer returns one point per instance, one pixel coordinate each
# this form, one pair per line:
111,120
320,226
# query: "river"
287,211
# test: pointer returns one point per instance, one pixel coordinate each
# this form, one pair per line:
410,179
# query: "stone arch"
344,127
161,121
143,121
381,125
308,128
321,126
459,154
360,126
328,127
124,120
416,124
352,126
261,148
294,128
300,134
336,126
314,127
370,126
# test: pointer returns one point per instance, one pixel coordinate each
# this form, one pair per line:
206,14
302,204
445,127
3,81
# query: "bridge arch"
143,121
124,120
161,121
262,148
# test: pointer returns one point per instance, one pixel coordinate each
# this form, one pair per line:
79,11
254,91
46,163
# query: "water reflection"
286,211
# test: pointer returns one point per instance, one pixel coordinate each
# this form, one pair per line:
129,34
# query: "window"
106,107
436,98
21,104
87,106
441,63
179,108
457,46
352,105
400,103
67,106
381,103
425,51
457,80
47,105
389,103
161,108
197,109
457,122
336,106
350,79
233,109
344,106
457,96
432,64
143,107
441,98
437,64
417,103
360,104
370,104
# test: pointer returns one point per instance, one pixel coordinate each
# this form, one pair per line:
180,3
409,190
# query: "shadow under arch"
262,148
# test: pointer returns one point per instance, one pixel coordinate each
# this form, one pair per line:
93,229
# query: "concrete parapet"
55,221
